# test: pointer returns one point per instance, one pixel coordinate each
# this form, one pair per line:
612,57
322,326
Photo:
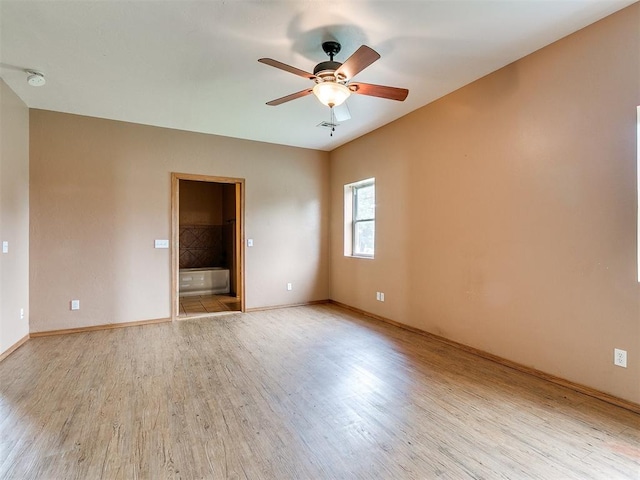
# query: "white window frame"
350,222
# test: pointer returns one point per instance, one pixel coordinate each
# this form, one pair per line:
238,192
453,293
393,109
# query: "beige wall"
14,217
100,195
506,211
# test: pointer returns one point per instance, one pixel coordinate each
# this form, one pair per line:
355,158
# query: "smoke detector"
35,79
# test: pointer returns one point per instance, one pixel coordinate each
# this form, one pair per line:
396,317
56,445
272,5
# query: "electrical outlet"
21,313
378,296
289,286
75,304
620,357
382,296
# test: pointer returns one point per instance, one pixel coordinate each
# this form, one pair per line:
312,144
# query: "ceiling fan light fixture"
331,94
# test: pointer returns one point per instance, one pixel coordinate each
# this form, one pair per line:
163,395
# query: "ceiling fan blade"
361,59
392,93
287,68
342,113
288,98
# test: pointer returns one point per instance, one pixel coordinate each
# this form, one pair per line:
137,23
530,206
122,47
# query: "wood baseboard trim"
592,392
290,305
108,326
14,347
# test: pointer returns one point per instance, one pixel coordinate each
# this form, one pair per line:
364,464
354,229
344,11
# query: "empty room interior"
211,270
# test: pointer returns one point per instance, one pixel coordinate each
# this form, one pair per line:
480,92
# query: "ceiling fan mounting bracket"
331,48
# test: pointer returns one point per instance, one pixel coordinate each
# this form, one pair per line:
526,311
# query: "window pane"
364,233
365,202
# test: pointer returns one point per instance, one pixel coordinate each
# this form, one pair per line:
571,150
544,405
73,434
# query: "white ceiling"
192,65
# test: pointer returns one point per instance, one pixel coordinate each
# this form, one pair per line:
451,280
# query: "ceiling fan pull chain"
332,121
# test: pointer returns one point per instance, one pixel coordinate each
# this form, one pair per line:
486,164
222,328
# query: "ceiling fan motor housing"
328,67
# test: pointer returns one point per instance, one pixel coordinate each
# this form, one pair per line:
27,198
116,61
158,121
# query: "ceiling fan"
332,79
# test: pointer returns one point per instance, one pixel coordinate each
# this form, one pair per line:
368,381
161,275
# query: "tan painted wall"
506,211
14,217
100,195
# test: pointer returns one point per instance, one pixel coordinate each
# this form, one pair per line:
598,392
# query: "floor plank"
298,393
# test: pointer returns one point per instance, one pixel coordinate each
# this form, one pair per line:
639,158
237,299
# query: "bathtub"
203,281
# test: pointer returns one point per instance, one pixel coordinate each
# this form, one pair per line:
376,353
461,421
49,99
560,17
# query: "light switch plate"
250,242
75,304
5,247
162,244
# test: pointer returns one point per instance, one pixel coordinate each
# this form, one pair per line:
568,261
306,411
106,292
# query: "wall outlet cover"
620,357
75,304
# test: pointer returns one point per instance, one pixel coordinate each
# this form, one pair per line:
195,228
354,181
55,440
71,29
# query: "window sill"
365,257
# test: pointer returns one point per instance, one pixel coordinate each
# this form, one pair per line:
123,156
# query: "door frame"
175,234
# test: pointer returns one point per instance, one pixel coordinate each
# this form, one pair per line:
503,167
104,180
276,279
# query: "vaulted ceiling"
192,65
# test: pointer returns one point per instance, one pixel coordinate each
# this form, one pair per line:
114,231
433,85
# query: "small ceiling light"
35,79
331,94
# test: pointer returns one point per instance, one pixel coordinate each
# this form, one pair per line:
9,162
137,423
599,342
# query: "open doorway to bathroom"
206,256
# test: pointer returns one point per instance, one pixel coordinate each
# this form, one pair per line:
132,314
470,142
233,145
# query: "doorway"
207,230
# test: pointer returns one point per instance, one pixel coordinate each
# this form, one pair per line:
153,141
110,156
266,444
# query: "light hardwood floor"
301,393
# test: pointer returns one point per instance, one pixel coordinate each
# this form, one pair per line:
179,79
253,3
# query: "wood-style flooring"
300,393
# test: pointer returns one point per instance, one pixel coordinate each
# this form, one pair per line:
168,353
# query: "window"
364,219
360,218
